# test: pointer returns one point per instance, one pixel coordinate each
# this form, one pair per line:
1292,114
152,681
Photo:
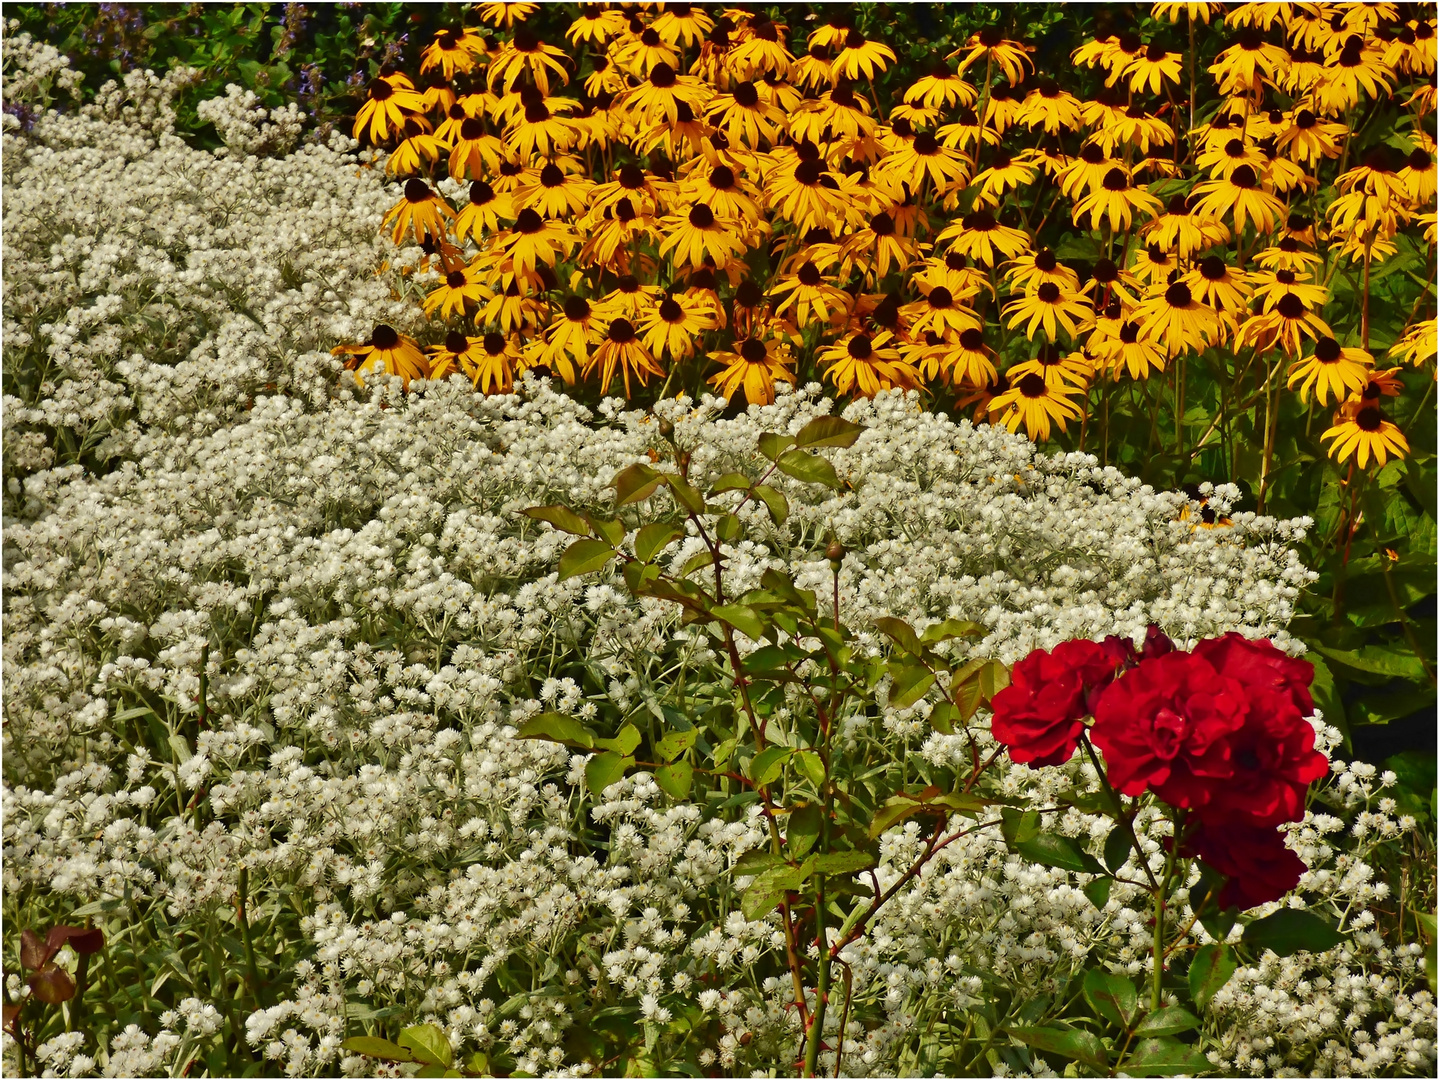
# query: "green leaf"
624,741
730,482
772,445
775,501
602,770
674,743
843,862
895,809
557,728
609,529
951,628
768,764
698,561
1117,846
803,830
1291,930
742,618
584,557
1061,852
1113,997
1081,1046
378,1048
1165,1057
812,765
900,632
808,468
654,538
1167,1021
756,860
636,483
942,717
1098,891
1017,826
993,678
1209,971
561,517
686,494
768,890
962,803
429,1043
1377,661
911,682
828,431
675,780
728,528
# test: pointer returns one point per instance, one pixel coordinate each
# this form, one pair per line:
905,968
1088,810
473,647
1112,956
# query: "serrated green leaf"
1113,997
1165,1057
430,1044
1210,969
895,809
654,538
584,557
561,517
383,1049
808,468
951,628
742,618
828,431
768,890
557,728
774,501
730,482
768,764
900,632
675,779
772,445
1081,1046
674,743
755,860
1167,1021
843,862
636,483
802,832
602,770
1291,930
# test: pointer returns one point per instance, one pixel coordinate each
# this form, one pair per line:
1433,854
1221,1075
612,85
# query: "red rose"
1259,663
1259,867
1166,726
1040,715
1156,643
1274,762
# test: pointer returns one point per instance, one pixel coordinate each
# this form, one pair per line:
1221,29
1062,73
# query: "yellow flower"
569,337
990,45
460,284
451,51
1036,404
1332,369
533,239
1051,107
673,325
385,109
1115,201
421,209
980,237
867,363
1419,344
754,365
1050,307
699,234
1171,316
505,13
809,296
1241,195
1065,372
862,58
387,351
621,349
482,212
1360,429
527,54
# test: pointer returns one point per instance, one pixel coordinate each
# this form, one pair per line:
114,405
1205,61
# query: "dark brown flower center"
1048,291
1369,418
1305,119
1327,350
416,190
940,297
753,351
456,279
551,176
972,339
721,178
861,347
925,144
809,275
701,216
979,221
1129,333
494,343
1243,177
1290,306
1105,271
577,309
746,96
1045,259
1115,180
380,90
632,177
671,311
622,331
1032,385
456,342
1178,295
1212,267
481,193
808,172
527,221
384,337
882,224
625,210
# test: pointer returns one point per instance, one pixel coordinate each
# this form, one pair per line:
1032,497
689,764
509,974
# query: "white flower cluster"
347,575
246,127
33,72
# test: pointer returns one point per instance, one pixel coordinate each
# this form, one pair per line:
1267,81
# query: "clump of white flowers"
291,632
246,127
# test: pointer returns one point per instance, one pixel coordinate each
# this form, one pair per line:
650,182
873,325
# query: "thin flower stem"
1156,991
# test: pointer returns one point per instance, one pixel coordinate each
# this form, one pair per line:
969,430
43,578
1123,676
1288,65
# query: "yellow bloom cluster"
682,185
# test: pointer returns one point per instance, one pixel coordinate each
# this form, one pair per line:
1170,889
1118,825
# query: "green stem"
252,972
821,996
1156,990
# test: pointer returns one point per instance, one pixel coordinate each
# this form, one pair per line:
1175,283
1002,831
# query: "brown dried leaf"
52,984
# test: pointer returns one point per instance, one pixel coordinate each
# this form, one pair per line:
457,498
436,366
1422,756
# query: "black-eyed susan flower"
1183,232
744,117
839,111
505,13
1050,308
1329,370
808,297
513,310
941,88
754,365
1287,323
877,247
1151,68
1003,107
806,193
436,92
385,109
483,213
1243,197
1420,177
1173,9
475,152
1051,107
763,49
1220,159
454,355
971,360
682,24
568,340
723,192
941,312
560,193
388,351
693,237
1358,71
540,129
814,69
1133,127
866,363
989,47
1038,406
1169,314
526,54
418,148
621,350
452,50
1154,264
860,57
1271,287
1002,174
1309,139
1033,268
460,284
421,209
673,326
1361,430
534,239
596,24
1118,348
1066,371
1243,66
1086,171
1108,281
1419,344
1115,202
659,96
980,237
1216,283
